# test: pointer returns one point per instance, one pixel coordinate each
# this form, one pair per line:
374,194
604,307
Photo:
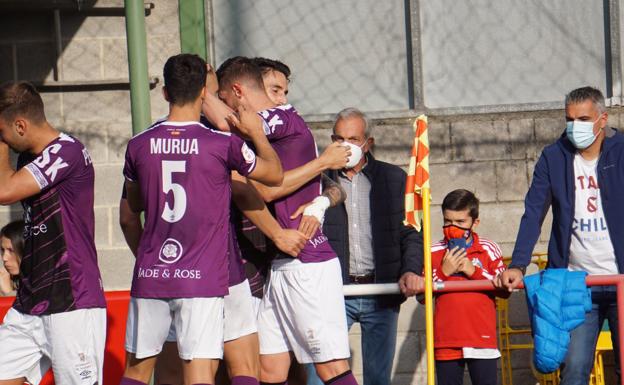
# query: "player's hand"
335,156
313,214
246,122
309,224
509,279
466,267
411,284
452,260
290,241
212,84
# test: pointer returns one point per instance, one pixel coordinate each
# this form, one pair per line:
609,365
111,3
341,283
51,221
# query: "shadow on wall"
33,42
410,361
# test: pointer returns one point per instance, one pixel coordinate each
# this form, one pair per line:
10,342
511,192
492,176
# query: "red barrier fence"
591,280
114,355
117,311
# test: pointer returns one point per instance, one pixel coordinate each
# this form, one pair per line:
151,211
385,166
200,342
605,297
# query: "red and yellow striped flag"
418,174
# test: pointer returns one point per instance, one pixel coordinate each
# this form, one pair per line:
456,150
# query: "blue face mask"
581,134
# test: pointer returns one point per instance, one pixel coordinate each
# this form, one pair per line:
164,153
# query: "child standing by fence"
465,322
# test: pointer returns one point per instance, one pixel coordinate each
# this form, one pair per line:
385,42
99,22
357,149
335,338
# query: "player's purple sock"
130,381
346,378
244,380
274,383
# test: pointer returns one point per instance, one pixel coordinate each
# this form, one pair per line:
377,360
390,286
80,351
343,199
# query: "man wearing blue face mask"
373,245
581,177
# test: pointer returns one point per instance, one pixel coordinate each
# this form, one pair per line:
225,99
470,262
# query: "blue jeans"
379,330
580,358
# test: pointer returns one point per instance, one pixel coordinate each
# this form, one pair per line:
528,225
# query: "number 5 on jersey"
175,213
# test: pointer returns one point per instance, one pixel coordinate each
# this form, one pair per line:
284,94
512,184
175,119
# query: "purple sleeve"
240,157
275,123
129,170
57,162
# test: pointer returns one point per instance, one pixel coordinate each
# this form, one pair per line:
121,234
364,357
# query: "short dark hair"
267,65
185,78
14,231
21,98
461,199
583,94
238,68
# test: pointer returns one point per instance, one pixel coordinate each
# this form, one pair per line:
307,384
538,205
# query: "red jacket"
467,319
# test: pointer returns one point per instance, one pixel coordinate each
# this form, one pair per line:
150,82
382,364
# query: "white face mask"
356,153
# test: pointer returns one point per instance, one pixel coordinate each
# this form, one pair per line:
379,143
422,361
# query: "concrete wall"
491,154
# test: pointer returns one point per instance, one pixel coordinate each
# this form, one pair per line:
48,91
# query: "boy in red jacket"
465,323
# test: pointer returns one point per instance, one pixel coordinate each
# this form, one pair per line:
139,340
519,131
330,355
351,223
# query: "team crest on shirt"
477,262
248,154
170,251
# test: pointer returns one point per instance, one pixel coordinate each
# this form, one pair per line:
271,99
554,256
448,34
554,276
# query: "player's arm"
334,157
268,168
16,185
313,213
130,223
253,207
216,111
133,192
333,191
212,107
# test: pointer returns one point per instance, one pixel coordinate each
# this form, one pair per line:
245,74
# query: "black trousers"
482,371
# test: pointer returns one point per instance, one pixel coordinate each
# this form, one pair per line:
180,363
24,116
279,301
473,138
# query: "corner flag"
418,174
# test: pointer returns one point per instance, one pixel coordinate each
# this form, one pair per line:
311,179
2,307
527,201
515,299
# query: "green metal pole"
137,65
192,27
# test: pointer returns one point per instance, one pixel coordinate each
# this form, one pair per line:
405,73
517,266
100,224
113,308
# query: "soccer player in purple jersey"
60,285
302,311
241,342
178,172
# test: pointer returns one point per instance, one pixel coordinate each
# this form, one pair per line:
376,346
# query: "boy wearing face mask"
465,323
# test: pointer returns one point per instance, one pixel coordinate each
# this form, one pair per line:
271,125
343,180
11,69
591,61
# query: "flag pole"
417,215
426,194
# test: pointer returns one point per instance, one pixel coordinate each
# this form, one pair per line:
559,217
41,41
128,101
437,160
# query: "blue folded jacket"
557,300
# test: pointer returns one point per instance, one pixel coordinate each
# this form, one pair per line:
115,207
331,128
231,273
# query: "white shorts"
239,314
303,311
255,302
198,323
72,343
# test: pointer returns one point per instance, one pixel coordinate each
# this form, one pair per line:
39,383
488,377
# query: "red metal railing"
117,302
591,280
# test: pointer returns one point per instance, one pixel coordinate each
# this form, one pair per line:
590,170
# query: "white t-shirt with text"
591,249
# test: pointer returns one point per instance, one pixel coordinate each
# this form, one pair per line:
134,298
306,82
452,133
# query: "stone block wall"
94,49
492,155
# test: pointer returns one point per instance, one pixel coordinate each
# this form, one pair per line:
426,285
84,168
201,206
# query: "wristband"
317,208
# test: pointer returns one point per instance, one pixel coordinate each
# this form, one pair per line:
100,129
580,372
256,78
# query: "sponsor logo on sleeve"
248,154
43,161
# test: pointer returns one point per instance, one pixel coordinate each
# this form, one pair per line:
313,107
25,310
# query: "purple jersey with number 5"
294,144
183,172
